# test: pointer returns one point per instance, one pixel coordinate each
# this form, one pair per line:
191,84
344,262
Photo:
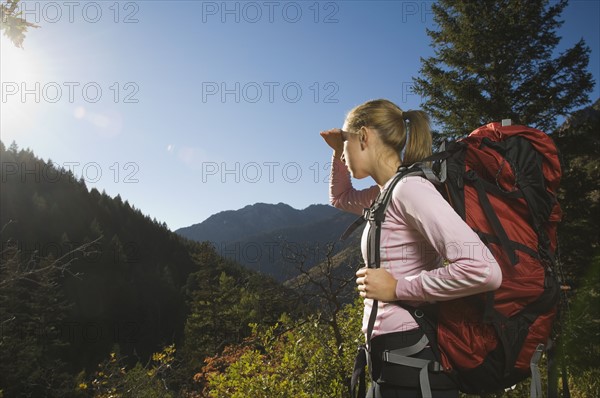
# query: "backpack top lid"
540,141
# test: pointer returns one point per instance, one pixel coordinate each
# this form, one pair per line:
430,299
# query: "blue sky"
188,108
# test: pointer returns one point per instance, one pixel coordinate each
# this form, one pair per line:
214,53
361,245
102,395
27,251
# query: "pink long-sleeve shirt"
419,232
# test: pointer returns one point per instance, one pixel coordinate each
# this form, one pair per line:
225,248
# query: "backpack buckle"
471,176
368,214
435,367
374,213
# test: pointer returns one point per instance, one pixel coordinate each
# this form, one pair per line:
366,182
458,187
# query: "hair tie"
405,116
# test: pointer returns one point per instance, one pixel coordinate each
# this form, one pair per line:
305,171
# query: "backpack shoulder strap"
380,204
376,215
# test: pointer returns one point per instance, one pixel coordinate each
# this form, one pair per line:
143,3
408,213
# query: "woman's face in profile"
352,152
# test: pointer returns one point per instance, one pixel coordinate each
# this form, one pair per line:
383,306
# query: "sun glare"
17,64
18,72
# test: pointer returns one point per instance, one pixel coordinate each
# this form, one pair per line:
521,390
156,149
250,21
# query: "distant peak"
589,114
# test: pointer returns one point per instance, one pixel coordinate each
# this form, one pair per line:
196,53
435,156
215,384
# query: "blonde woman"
419,233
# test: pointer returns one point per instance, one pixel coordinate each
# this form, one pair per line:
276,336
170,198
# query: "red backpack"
502,180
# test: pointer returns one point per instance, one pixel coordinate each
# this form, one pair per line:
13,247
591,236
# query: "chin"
357,175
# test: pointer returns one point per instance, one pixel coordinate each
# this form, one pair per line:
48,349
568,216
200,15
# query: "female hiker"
420,232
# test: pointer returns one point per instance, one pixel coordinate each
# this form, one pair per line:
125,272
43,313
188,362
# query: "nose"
343,158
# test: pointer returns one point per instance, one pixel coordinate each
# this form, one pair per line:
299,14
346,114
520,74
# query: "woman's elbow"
335,202
347,207
340,202
494,279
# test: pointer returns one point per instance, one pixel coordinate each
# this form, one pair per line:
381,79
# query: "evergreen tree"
579,233
214,320
32,325
494,60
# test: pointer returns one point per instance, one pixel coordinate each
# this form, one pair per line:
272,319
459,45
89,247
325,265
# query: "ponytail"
407,133
419,143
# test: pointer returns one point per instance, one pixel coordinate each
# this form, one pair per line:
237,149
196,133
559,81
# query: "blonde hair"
391,123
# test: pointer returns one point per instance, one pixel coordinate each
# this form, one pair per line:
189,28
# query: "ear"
362,135
366,136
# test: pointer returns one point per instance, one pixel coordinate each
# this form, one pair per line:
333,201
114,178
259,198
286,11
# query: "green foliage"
291,359
582,322
579,196
222,307
579,235
582,384
299,359
12,24
494,60
216,317
114,380
32,310
585,384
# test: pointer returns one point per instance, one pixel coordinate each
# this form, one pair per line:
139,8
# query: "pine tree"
494,60
33,331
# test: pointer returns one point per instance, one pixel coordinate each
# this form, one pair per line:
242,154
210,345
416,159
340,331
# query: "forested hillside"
300,248
275,239
84,275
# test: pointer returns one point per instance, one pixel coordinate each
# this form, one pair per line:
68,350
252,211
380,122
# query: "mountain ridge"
274,239
254,219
